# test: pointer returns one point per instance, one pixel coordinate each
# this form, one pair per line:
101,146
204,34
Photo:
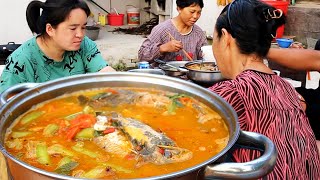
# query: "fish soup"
117,133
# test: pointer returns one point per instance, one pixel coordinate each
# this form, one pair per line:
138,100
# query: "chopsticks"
184,51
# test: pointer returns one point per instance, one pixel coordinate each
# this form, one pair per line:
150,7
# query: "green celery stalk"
85,151
19,134
30,117
95,173
50,130
87,133
59,149
42,154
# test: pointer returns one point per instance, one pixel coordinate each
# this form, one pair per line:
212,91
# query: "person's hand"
107,69
171,46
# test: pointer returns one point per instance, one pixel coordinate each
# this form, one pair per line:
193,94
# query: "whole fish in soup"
146,143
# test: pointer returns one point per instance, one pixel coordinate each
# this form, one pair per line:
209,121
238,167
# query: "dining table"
3,168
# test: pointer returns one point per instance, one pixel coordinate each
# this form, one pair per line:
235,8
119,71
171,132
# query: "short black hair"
186,3
54,12
252,23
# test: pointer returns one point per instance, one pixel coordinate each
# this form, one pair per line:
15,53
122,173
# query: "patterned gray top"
192,43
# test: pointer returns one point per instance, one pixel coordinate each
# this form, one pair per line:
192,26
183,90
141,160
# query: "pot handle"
12,91
249,170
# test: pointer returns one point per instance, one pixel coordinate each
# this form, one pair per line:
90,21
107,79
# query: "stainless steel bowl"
38,93
203,77
171,71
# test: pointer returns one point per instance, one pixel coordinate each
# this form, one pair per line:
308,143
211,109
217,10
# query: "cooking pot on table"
206,78
37,93
203,77
173,71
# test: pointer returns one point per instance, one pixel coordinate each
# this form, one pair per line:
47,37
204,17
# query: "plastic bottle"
102,19
144,65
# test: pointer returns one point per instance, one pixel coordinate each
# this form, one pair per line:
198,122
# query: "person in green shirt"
60,48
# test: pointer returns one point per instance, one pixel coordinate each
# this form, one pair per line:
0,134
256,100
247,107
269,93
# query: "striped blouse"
192,43
269,105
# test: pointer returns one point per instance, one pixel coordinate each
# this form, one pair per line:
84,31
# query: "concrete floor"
116,47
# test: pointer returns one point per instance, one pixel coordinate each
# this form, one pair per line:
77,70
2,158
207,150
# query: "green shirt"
29,64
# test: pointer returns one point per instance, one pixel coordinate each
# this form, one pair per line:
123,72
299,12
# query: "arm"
158,43
299,59
149,50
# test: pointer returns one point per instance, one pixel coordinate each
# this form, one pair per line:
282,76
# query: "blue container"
144,65
283,42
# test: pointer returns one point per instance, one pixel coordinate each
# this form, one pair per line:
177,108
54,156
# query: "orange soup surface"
117,133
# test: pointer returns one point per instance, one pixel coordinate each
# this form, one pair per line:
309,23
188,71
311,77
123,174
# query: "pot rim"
151,79
162,66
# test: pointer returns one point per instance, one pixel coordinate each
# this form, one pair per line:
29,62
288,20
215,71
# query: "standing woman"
265,103
186,35
60,48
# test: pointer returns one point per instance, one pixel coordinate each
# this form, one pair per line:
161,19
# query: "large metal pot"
22,102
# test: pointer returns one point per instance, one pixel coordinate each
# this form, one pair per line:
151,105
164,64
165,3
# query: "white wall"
119,5
14,25
209,15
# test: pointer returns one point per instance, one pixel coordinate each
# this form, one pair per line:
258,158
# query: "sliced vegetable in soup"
117,133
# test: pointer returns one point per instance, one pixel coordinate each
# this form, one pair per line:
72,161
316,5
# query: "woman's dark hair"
53,12
186,3
252,23
317,46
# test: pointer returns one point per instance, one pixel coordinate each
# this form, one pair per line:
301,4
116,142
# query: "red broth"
203,132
